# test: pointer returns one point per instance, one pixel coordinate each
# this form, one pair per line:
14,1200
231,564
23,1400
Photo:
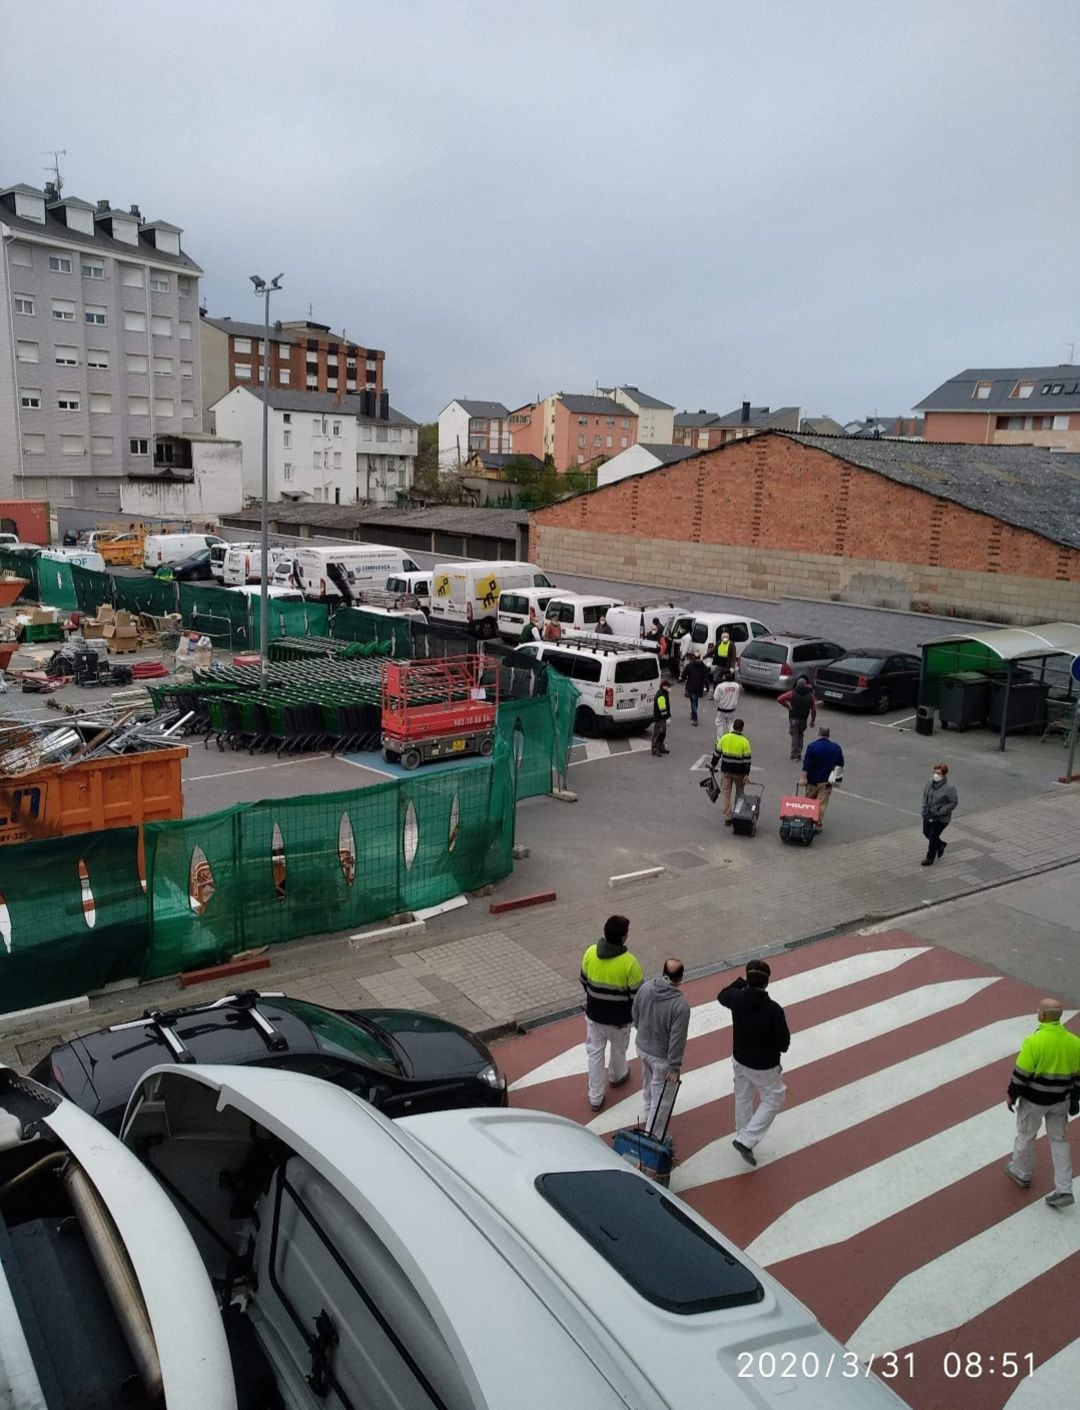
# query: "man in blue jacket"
821,758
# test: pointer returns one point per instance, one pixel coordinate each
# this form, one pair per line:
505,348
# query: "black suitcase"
747,810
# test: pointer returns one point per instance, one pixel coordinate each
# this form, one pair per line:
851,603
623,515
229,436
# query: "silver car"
777,662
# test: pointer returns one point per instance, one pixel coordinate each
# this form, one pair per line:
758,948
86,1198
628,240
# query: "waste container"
924,719
964,699
1027,705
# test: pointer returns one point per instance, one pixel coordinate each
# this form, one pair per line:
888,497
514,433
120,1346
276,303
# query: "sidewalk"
488,972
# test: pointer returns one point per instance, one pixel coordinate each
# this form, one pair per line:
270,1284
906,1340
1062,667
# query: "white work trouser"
597,1038
1029,1118
654,1073
768,1083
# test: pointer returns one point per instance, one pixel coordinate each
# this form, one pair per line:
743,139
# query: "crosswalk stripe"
961,1284
713,1080
858,1101
1054,1382
710,1017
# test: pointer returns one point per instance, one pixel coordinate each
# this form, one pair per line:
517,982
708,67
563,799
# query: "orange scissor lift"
441,707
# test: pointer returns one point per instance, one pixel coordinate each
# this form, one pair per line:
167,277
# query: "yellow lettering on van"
442,585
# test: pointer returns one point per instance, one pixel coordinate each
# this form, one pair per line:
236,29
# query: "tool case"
651,1151
799,816
747,810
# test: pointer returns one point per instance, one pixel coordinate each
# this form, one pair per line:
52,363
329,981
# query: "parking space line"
893,724
254,768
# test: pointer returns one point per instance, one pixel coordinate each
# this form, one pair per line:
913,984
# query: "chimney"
745,413
340,392
137,213
384,406
51,192
104,205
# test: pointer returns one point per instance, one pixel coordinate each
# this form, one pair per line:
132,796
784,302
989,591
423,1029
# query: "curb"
518,903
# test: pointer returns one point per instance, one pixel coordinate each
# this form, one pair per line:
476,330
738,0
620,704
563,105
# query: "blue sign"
1076,668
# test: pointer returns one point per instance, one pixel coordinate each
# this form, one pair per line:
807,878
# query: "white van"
709,625
418,584
616,683
518,606
361,565
466,594
172,548
217,557
575,614
243,563
77,557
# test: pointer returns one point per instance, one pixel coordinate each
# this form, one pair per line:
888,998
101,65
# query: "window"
609,440
30,398
20,254
60,264
288,471
626,423
68,401
136,362
93,269
131,276
139,447
337,460
622,442
596,440
24,304
611,421
183,286
337,428
159,283
1022,389
160,326
96,314
163,366
242,371
317,425
316,459
134,322
26,352
242,345
583,420
100,403
367,433
33,444
72,445
286,438
283,376
65,356
101,445
184,330
1061,423
187,369
286,417
313,383
331,384
138,406
381,433
350,386
97,357
164,406
64,310
187,410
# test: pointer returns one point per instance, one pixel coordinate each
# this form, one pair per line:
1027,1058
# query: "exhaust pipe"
118,1276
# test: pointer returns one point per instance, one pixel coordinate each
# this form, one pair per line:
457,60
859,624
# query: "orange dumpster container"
121,790
10,589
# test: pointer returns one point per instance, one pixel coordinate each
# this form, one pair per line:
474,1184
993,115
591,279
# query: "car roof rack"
246,1001
615,645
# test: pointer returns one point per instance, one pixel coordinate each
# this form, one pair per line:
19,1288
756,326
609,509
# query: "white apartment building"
466,427
656,420
322,446
99,346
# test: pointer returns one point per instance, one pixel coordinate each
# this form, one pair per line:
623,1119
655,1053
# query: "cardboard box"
104,613
121,638
92,631
43,616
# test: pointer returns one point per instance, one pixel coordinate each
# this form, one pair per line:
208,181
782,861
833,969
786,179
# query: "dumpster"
1027,705
116,790
964,699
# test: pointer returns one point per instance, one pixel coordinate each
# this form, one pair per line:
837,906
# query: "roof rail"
602,642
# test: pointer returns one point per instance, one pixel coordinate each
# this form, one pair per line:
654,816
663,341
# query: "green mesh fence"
92,589
299,619
55,584
220,615
144,594
22,567
267,872
75,919
525,728
355,624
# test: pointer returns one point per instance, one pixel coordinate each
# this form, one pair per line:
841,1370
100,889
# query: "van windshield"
540,581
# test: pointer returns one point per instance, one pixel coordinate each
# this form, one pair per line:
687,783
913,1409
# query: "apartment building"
1037,406
572,430
656,419
706,430
99,345
304,356
323,447
467,427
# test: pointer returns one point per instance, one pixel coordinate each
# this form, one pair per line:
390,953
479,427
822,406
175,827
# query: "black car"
870,679
401,1061
193,569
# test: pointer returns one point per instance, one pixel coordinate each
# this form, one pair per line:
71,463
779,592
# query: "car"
398,1060
871,678
196,568
777,662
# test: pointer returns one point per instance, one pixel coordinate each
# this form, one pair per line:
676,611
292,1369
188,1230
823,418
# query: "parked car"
196,568
871,679
777,662
400,1061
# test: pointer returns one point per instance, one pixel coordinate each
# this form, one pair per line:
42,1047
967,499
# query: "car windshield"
858,665
765,651
344,1037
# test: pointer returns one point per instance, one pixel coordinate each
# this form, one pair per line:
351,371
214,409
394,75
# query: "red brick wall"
773,493
971,427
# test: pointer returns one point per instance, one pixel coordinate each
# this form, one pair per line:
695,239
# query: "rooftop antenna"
309,312
56,154
1072,352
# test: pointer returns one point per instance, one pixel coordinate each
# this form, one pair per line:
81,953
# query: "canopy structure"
1008,656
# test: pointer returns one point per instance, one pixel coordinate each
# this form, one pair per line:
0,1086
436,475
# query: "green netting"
21,566
144,594
216,613
56,587
66,936
299,619
525,727
355,624
92,589
266,872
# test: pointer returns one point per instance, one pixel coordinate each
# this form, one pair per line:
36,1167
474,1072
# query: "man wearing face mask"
725,658
938,803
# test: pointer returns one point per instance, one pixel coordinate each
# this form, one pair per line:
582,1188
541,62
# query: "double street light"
265,290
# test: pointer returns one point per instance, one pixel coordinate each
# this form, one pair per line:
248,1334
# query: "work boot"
1060,1199
1015,1178
746,1153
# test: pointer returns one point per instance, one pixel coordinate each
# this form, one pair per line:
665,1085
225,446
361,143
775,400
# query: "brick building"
707,429
573,430
1007,406
989,532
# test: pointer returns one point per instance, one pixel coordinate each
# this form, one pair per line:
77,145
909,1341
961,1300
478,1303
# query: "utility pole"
265,289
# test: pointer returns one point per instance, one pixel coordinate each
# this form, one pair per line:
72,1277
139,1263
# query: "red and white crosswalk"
879,1198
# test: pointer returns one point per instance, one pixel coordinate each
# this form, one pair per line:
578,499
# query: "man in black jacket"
760,1035
696,675
661,713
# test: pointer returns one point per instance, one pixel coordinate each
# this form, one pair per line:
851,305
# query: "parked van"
418,584
466,594
243,563
78,557
575,614
709,625
518,606
171,548
616,683
361,565
217,557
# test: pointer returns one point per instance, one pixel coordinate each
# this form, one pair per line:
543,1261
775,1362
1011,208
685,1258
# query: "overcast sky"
834,204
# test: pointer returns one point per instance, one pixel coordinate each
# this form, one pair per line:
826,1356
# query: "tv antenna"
1072,352
56,154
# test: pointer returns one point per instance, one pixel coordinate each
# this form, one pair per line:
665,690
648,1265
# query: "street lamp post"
265,289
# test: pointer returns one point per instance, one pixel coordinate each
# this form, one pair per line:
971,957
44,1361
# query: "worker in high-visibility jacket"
661,713
610,976
733,757
1045,1086
725,657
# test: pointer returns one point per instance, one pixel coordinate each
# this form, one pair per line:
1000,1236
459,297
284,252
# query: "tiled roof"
497,523
695,419
637,395
250,330
594,406
491,410
761,418
496,460
55,229
668,455
325,402
958,393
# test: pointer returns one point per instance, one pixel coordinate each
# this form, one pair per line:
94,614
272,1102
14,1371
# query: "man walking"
726,699
661,713
733,753
696,677
939,801
724,658
801,706
661,1017
610,976
759,1035
821,763
1045,1086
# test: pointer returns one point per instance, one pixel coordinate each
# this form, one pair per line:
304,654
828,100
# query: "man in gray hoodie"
661,1017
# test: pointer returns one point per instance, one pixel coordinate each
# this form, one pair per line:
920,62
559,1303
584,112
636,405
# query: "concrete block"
626,877
42,1013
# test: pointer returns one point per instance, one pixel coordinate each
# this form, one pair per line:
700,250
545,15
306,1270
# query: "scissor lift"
438,708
